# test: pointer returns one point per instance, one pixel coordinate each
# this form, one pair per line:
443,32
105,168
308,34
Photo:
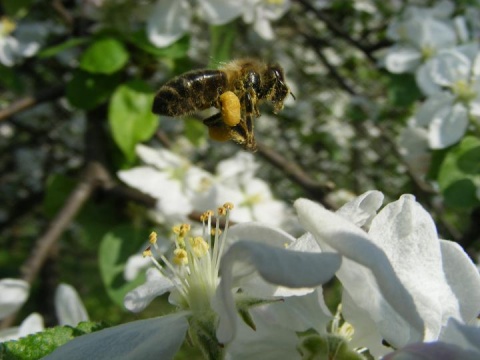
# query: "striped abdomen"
192,91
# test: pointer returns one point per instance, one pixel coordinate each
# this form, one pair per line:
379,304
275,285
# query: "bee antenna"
293,96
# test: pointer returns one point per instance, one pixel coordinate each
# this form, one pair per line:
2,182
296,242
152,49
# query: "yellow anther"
180,257
221,211
213,232
147,252
228,206
176,229
200,247
204,217
184,229
152,238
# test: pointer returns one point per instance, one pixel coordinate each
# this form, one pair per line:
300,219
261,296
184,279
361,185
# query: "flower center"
7,26
194,267
463,91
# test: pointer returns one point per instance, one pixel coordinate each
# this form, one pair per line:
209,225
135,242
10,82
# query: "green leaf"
56,49
177,50
38,345
58,189
459,175
403,90
222,38
86,90
116,247
104,56
130,116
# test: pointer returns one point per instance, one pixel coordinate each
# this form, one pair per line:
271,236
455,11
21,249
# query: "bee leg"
213,120
219,131
250,113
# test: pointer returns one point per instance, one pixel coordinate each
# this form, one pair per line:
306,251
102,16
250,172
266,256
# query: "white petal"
8,50
31,325
155,285
135,264
467,337
238,168
448,126
425,80
432,351
263,28
68,306
171,199
13,294
278,266
449,67
363,208
402,59
219,12
366,273
159,158
463,277
157,338
431,106
366,332
407,234
170,19
8,334
264,343
299,313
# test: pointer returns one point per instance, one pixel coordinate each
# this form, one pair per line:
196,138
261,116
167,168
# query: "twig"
337,30
316,44
29,101
316,190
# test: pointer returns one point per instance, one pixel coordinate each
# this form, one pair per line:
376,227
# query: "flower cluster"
168,20
435,44
404,289
181,187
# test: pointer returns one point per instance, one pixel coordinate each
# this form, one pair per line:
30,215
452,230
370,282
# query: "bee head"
279,89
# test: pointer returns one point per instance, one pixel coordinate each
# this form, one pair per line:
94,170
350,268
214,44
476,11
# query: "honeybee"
236,89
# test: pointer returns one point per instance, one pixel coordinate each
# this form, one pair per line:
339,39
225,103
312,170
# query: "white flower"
235,182
193,279
261,12
421,33
401,283
446,113
170,179
18,41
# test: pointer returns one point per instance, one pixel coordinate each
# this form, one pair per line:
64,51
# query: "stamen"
147,252
199,246
180,257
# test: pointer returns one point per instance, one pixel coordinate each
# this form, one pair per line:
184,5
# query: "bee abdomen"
193,91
